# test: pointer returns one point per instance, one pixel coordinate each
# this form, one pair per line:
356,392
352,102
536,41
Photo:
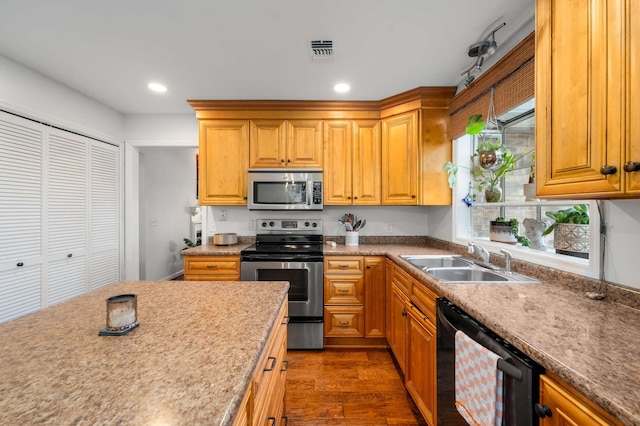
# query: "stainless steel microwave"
286,189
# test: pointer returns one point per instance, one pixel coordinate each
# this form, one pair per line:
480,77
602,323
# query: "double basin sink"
458,269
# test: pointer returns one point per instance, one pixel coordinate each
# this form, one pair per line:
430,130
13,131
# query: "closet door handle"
20,264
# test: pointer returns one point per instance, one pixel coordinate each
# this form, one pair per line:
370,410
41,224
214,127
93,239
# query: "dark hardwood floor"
347,387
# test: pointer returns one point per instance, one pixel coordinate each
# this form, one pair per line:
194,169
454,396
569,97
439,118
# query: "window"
473,223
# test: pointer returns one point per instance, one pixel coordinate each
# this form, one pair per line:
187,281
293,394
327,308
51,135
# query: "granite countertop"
593,345
189,362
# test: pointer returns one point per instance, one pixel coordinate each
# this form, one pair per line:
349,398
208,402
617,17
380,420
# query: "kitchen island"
189,362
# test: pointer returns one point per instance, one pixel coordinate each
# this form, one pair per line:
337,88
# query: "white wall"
168,190
33,95
623,234
381,221
162,130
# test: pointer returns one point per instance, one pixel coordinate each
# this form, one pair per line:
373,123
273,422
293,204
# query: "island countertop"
189,362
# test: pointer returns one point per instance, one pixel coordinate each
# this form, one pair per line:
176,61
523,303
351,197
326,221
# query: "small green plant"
514,230
189,243
577,215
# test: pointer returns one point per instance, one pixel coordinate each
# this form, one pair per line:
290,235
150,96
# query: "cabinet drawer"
212,265
425,299
344,291
344,321
402,280
343,265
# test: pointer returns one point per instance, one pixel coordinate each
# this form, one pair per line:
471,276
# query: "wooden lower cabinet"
212,268
566,406
420,374
354,300
263,403
412,337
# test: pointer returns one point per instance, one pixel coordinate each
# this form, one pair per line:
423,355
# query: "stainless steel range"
291,250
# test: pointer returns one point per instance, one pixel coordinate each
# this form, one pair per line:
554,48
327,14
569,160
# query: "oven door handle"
508,368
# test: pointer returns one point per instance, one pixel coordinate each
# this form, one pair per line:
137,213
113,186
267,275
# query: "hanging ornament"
490,139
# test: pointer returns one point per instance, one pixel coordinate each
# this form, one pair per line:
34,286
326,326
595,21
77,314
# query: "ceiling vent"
321,50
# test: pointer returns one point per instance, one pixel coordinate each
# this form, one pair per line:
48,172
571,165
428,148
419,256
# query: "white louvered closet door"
21,209
104,215
66,219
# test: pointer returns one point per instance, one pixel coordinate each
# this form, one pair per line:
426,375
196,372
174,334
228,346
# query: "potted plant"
570,230
491,162
507,231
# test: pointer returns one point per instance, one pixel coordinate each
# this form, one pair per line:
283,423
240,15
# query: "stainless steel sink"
458,269
465,274
436,261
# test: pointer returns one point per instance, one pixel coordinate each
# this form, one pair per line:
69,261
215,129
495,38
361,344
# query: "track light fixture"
480,51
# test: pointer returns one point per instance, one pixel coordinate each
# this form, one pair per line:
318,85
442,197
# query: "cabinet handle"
244,198
404,312
632,166
70,255
413,196
286,365
282,160
348,197
20,264
273,364
212,266
543,411
288,160
286,420
355,198
271,420
368,266
343,266
608,170
343,291
343,322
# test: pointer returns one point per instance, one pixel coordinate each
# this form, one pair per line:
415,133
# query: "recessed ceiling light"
342,87
157,87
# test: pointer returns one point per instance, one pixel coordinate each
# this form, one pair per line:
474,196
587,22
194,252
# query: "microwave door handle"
309,192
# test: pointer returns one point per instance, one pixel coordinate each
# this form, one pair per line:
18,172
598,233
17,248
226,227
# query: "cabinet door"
421,375
367,157
578,97
267,143
400,159
304,143
338,160
632,179
567,408
374,296
399,339
224,157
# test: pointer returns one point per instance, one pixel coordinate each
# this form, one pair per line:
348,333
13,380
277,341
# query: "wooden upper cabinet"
400,159
282,143
304,143
352,162
268,143
587,98
224,157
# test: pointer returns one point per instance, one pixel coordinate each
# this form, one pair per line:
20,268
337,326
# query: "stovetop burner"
286,237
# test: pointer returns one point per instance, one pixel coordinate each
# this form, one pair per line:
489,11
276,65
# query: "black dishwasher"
521,373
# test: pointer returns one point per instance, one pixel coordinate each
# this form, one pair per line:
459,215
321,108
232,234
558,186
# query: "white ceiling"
249,49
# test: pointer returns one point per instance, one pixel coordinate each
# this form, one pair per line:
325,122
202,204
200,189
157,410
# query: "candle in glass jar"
121,311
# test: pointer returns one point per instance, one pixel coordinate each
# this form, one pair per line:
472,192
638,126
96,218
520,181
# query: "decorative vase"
493,194
490,159
529,190
533,230
502,232
571,239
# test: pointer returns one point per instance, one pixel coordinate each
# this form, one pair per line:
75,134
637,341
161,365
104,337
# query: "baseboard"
172,276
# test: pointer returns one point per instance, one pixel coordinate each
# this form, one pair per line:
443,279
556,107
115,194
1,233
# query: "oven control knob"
315,224
272,224
264,224
306,224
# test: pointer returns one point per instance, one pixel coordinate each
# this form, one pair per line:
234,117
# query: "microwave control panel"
317,193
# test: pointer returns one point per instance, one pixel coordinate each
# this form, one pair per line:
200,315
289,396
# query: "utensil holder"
351,238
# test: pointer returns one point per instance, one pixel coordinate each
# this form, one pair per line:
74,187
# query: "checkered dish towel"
479,383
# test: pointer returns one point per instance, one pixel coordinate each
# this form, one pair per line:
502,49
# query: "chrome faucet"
507,260
484,254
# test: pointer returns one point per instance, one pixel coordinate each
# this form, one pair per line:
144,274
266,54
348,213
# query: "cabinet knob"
70,255
404,312
355,198
20,264
608,170
282,160
348,197
368,266
543,411
413,196
289,160
632,166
